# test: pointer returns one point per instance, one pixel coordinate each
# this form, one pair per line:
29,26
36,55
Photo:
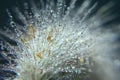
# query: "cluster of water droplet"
57,41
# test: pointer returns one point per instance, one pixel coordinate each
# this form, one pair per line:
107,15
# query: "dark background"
9,4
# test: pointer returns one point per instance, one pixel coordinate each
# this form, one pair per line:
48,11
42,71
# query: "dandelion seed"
61,42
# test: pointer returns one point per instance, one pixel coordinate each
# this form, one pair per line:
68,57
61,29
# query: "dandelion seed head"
61,43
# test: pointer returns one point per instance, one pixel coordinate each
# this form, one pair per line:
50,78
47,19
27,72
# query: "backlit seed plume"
60,41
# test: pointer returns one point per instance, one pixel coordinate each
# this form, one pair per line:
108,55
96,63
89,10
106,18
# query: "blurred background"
9,4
